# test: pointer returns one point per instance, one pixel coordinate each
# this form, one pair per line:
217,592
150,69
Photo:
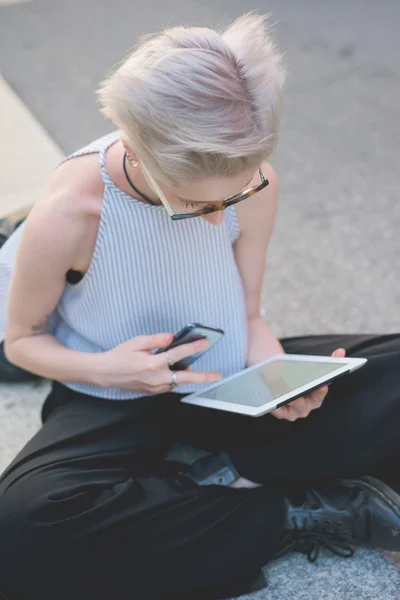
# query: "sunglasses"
207,209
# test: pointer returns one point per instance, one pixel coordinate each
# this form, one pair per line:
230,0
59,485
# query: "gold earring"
132,162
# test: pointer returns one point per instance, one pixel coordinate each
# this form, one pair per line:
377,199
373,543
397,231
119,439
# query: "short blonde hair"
193,102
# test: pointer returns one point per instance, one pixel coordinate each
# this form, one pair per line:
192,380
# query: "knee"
23,563
30,541
23,532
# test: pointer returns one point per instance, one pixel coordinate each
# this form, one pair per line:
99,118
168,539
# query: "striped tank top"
150,274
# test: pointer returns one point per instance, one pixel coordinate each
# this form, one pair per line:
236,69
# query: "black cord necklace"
133,187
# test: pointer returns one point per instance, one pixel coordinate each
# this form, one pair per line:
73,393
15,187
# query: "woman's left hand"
301,407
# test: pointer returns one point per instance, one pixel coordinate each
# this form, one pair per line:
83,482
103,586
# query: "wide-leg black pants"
90,510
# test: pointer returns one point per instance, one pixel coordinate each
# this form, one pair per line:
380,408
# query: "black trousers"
90,509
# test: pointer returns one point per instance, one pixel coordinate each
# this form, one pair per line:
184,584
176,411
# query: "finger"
298,404
317,397
291,415
280,413
182,351
288,413
160,389
300,407
187,377
149,342
319,394
317,403
339,353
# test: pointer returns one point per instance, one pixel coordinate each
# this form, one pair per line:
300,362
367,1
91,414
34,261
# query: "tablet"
267,385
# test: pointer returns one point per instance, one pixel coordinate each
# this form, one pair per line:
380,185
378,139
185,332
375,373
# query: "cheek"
176,205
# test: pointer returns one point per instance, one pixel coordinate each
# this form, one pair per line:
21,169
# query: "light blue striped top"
150,274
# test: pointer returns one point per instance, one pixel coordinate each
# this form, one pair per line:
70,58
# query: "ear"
132,155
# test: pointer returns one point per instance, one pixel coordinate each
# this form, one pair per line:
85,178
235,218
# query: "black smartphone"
191,333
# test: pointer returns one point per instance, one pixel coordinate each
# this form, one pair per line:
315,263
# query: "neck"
139,181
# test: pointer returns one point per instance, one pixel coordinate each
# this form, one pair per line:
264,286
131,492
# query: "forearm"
44,355
262,342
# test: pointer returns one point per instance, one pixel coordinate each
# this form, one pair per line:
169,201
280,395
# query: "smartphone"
191,333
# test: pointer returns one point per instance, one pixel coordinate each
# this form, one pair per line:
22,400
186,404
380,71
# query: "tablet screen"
264,384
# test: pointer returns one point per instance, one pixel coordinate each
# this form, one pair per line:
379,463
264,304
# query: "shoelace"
311,543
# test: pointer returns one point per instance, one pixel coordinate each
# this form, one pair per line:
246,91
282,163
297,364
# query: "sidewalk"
27,153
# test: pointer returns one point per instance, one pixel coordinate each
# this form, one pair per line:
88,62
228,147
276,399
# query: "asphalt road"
334,261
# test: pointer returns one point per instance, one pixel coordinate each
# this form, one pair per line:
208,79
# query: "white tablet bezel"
256,411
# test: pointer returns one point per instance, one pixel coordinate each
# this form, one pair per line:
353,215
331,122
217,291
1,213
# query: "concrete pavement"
23,171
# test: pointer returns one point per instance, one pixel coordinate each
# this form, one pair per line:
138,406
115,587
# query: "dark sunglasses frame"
226,203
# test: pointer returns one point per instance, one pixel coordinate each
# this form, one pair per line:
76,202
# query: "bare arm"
50,245
256,219
256,225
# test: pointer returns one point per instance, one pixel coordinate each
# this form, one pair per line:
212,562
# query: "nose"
215,218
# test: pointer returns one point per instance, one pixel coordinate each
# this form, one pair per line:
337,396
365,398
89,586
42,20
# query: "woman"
137,234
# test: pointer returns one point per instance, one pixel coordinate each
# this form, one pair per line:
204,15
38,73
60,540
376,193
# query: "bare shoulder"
76,186
68,212
259,211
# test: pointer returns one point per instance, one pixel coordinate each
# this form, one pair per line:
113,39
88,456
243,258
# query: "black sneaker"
341,516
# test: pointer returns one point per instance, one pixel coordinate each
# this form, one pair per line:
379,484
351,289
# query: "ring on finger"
169,361
173,382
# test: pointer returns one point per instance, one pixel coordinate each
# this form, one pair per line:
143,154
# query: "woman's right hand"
131,365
